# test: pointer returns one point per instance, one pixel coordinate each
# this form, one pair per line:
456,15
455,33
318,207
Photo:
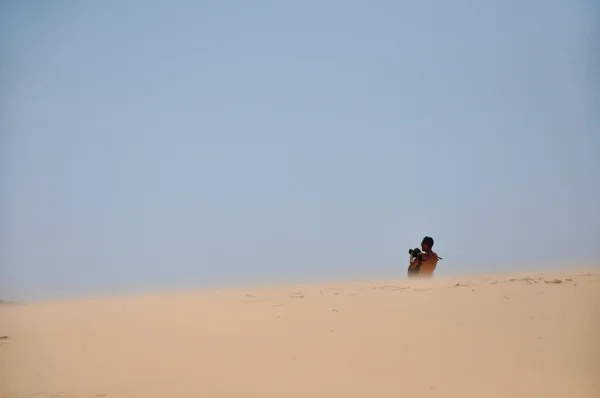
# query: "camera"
415,253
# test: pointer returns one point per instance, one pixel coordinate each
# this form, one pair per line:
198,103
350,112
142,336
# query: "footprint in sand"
587,274
388,288
253,299
462,284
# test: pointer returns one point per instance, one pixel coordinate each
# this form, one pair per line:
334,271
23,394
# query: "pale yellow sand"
373,339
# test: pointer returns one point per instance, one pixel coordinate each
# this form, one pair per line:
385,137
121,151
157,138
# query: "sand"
479,336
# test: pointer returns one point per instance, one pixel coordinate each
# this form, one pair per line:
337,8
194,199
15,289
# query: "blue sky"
185,144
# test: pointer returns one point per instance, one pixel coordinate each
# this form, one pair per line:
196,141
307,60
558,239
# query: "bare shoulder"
433,255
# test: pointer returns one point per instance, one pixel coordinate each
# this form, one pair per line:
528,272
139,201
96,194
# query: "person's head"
427,243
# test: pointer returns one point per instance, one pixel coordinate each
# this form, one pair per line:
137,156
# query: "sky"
154,145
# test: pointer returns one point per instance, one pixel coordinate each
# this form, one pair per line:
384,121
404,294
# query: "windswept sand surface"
487,337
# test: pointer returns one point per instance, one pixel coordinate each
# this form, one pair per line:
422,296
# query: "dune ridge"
517,334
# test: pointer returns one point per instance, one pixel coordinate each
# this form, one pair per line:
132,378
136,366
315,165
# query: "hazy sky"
184,144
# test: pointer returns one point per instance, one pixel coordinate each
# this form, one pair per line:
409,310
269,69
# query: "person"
425,266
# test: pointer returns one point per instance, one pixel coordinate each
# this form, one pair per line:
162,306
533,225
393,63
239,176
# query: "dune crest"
511,335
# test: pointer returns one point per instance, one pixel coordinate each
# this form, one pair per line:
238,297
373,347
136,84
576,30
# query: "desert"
533,334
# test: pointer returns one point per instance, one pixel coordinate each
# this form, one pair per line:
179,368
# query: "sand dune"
480,336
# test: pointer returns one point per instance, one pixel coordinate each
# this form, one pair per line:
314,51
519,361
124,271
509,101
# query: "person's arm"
415,262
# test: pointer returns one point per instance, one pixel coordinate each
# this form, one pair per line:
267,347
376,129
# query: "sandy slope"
391,339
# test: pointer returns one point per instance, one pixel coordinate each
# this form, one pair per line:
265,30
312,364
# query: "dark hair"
428,240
